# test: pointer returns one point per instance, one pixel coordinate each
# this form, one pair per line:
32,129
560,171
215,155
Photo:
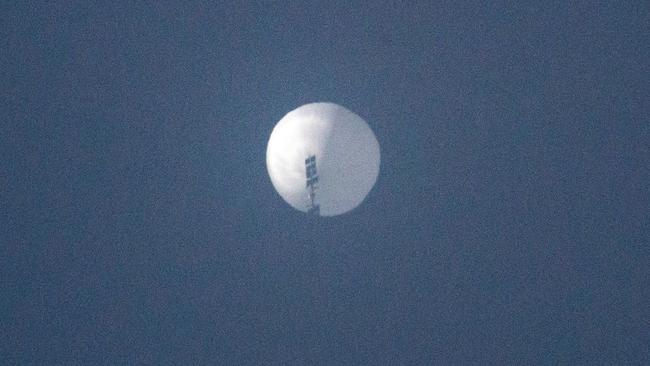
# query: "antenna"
312,180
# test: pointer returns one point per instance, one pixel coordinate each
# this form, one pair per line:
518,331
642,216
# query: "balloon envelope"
345,161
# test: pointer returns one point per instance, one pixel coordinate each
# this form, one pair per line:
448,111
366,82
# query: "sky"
509,223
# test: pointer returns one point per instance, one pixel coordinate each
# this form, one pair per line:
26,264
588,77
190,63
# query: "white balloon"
346,158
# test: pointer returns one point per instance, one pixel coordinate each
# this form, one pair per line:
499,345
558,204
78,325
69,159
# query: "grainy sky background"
509,223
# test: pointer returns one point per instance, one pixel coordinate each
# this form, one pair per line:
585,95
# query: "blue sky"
509,223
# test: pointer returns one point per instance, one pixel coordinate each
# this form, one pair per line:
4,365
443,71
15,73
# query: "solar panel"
310,170
312,179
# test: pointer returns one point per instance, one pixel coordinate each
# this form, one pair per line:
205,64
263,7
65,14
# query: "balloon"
323,159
